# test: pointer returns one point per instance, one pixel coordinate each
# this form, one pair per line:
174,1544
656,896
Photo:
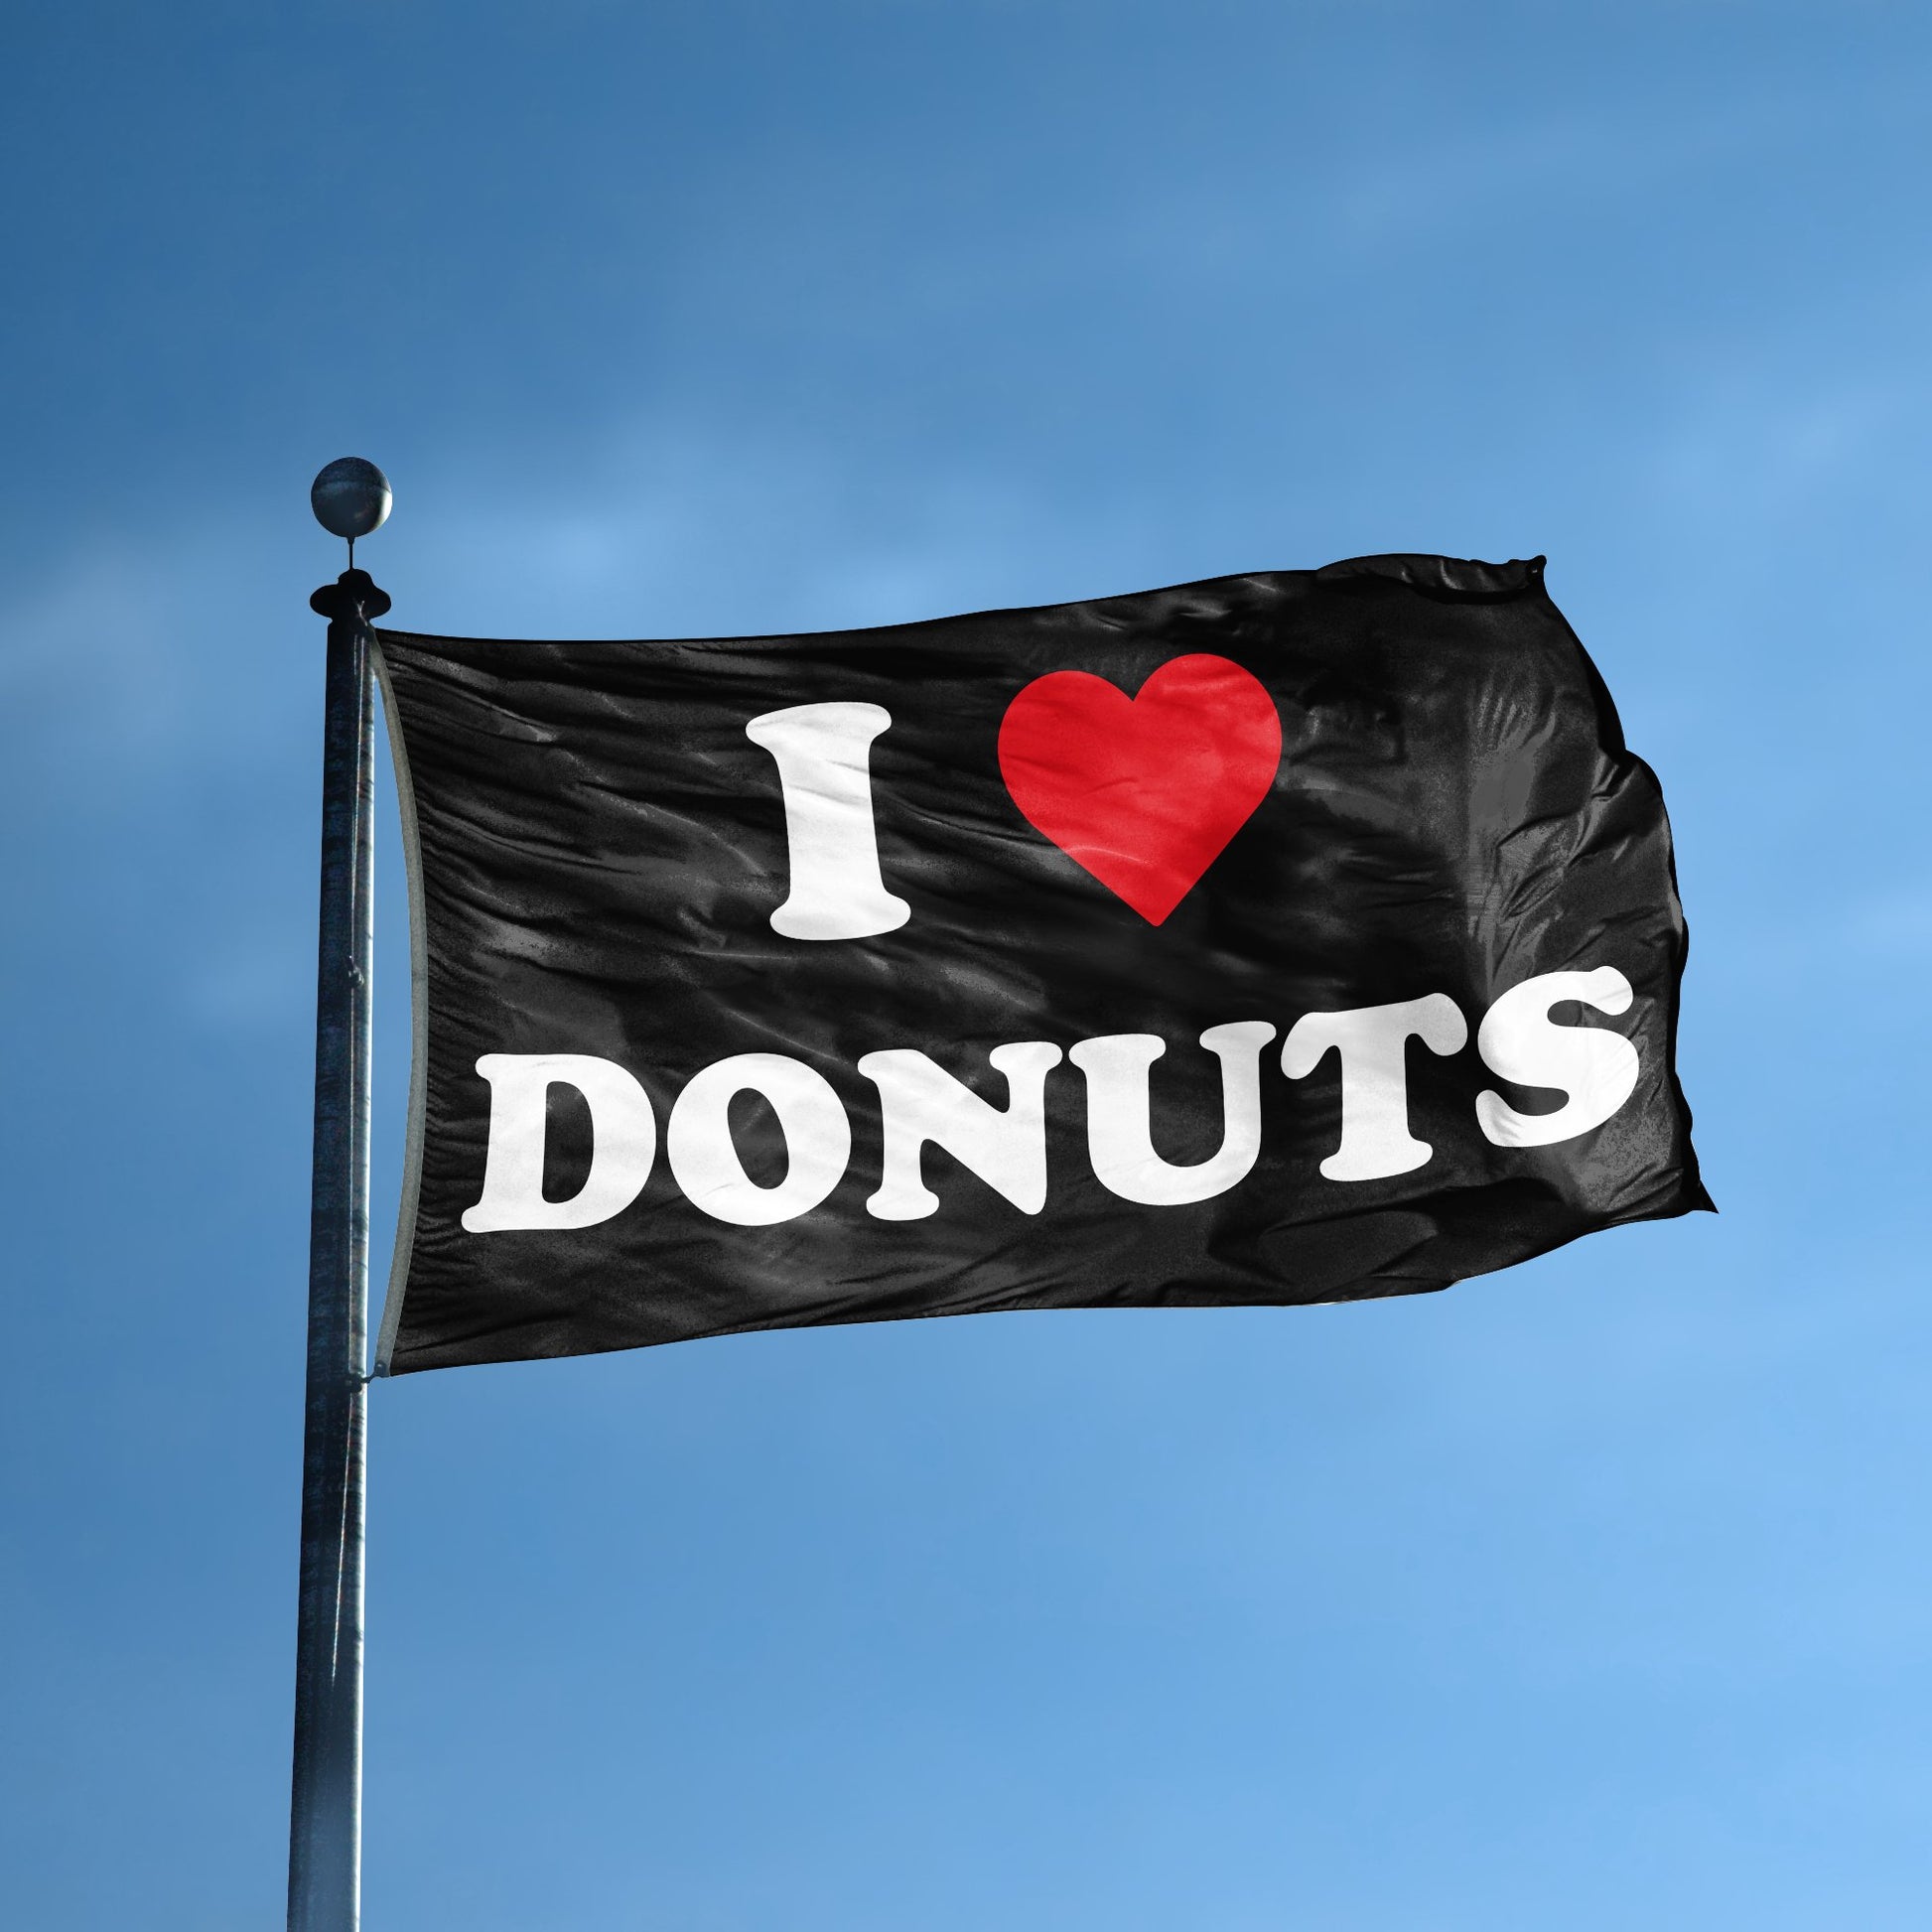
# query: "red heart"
1143,792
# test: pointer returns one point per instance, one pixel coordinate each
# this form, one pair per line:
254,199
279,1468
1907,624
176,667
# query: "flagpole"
326,1809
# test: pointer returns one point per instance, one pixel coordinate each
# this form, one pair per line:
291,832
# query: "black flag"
1291,938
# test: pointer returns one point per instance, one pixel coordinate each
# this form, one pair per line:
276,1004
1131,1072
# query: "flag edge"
403,1252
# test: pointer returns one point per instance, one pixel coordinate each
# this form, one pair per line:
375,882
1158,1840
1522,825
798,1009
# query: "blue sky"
1595,1594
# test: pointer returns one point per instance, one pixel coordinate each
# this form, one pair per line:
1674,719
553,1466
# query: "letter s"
1595,1067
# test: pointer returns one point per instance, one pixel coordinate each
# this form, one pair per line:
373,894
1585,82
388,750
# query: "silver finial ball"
351,497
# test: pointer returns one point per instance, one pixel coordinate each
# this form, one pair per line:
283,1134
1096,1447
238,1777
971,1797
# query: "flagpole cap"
354,598
351,497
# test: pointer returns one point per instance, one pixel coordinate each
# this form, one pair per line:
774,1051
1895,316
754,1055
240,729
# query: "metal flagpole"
351,498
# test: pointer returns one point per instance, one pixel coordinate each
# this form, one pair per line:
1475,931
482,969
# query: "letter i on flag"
1292,937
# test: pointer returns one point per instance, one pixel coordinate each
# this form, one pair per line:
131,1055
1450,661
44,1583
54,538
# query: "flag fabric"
1292,937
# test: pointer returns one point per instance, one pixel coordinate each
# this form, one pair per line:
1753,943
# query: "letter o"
703,1156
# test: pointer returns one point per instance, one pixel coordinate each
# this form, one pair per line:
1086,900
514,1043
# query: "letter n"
920,1102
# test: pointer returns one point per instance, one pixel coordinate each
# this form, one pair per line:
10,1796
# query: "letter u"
1120,1140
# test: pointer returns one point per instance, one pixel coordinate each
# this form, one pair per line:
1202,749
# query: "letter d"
623,1142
